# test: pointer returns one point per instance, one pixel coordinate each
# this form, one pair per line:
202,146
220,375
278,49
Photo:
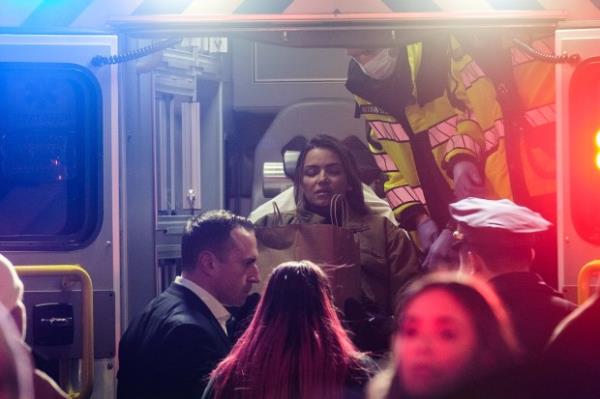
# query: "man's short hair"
209,231
503,258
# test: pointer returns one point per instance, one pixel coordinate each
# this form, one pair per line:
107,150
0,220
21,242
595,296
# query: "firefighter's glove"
467,180
427,231
442,254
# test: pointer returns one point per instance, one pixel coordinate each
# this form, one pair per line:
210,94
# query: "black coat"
171,348
534,307
569,366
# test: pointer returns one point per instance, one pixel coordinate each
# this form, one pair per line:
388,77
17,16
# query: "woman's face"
435,344
323,175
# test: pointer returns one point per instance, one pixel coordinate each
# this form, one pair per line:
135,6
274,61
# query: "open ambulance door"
59,187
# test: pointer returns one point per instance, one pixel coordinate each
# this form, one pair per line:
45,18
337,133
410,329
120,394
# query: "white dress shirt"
216,308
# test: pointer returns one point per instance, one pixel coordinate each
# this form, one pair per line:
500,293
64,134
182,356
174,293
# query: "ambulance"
120,119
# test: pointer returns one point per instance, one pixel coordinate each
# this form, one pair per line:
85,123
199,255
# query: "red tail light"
584,153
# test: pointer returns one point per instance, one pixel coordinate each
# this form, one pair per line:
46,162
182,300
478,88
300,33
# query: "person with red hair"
295,346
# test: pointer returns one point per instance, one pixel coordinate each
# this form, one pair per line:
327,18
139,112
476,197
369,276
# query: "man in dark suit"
497,239
170,349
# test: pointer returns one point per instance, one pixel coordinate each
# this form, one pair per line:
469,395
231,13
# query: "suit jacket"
534,307
170,349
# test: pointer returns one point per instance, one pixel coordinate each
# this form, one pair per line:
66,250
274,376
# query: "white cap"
11,286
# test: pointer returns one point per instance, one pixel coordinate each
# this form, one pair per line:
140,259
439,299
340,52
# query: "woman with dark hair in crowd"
295,346
388,260
453,338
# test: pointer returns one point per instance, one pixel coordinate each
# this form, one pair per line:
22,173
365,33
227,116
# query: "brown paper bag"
333,248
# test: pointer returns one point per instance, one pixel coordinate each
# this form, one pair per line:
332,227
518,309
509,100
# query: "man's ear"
470,262
206,262
465,261
477,262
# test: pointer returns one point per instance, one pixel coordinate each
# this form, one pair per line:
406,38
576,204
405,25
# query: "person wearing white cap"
495,239
11,298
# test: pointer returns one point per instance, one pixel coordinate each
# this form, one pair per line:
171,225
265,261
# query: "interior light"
598,160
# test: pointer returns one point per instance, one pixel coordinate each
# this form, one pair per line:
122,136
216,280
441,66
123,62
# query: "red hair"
295,346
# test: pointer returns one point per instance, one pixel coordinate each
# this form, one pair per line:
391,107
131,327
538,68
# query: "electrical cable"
101,60
546,57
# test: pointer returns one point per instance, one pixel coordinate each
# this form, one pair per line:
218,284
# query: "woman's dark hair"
497,347
295,346
355,197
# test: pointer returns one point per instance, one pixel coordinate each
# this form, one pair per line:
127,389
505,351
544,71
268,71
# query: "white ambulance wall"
269,76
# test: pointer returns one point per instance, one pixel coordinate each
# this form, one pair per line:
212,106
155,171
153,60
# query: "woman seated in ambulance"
325,171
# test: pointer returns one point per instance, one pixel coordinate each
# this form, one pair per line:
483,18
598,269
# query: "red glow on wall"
598,149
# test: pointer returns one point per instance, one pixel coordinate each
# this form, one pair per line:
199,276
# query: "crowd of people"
448,304
484,329
478,328
481,330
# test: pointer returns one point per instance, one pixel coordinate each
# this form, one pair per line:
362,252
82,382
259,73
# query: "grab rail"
87,319
583,280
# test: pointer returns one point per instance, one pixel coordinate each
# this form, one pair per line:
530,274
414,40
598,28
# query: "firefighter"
525,90
435,129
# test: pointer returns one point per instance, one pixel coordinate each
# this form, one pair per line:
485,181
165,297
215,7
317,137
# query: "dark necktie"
230,325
